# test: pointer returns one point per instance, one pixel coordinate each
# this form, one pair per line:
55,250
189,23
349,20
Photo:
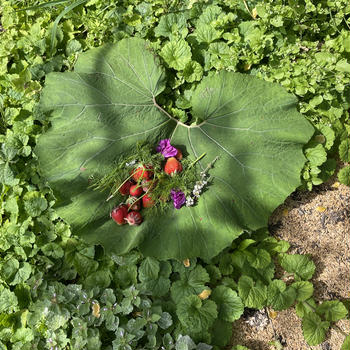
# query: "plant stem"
167,114
246,6
197,160
210,165
113,194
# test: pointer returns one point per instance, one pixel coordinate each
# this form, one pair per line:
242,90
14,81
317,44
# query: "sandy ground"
315,223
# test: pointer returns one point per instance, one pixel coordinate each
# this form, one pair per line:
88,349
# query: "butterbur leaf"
279,296
149,269
99,112
191,282
317,155
193,71
196,315
332,310
304,290
8,300
258,258
206,33
34,203
176,53
253,294
314,329
171,23
229,304
302,267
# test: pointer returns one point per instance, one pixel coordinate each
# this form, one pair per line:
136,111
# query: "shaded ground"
315,223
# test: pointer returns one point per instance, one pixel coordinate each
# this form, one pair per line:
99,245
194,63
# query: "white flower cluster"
197,190
132,163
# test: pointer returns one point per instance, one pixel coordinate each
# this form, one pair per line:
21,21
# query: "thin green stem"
124,182
246,6
197,160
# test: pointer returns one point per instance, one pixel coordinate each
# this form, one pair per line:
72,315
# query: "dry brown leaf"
205,294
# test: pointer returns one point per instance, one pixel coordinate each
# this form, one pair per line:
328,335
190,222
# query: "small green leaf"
329,134
303,289
196,315
279,296
193,71
344,175
34,203
314,329
100,278
171,23
165,320
205,33
344,150
230,305
22,274
191,282
316,155
8,300
304,307
184,343
177,54
302,267
149,269
333,310
258,258
253,294
245,244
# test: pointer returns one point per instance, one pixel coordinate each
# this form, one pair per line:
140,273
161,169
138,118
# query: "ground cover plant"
59,291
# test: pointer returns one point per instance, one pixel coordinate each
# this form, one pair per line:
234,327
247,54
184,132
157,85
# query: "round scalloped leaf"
99,112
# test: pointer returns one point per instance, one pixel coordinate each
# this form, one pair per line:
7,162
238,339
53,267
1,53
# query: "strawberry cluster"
137,188
140,184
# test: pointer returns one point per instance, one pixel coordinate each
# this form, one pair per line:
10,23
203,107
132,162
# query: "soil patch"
315,223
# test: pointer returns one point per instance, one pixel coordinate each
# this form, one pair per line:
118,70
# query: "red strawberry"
133,203
134,218
172,166
119,214
147,201
143,172
124,190
178,154
136,190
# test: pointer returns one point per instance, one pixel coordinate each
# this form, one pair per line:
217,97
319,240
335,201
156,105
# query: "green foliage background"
52,286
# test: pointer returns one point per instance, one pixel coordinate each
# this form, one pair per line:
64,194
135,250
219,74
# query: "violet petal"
178,197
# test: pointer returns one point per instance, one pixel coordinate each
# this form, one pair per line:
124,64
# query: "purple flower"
178,198
166,149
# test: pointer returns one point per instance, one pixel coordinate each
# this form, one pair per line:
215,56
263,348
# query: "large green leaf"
100,110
